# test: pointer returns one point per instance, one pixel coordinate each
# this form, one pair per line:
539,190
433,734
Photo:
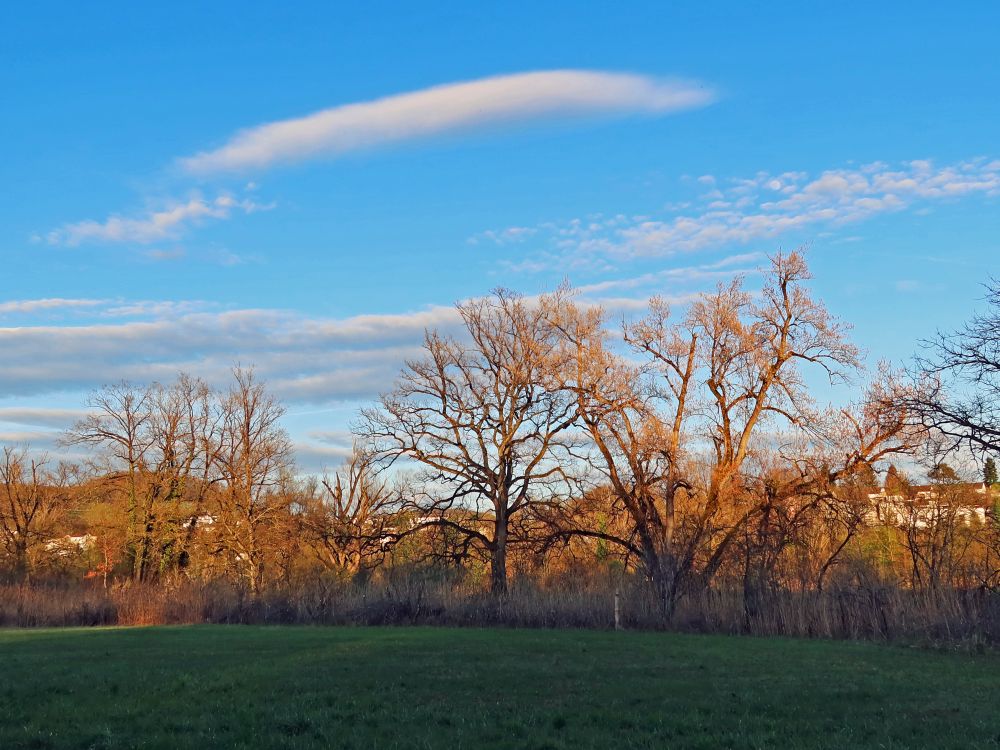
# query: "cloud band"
448,108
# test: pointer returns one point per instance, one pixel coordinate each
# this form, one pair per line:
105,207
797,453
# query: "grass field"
235,686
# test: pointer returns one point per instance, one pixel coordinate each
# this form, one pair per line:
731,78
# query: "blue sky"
174,201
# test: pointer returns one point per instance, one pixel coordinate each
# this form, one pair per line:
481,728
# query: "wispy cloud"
319,458
48,304
908,285
455,107
35,438
153,226
305,359
504,236
744,210
160,254
38,428
103,307
39,417
742,264
154,308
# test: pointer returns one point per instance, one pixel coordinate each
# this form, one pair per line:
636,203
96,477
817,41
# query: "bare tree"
832,457
634,447
958,381
937,535
352,521
252,461
156,442
673,437
842,515
119,425
185,426
32,500
477,418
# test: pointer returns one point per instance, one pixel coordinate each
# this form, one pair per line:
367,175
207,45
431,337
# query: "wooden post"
618,611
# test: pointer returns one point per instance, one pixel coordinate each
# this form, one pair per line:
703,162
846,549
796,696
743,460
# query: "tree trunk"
255,574
662,569
22,571
498,557
144,552
752,598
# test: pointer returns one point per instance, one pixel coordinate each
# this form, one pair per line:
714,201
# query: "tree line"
546,440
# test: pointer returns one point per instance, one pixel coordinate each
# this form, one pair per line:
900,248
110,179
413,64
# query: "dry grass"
882,614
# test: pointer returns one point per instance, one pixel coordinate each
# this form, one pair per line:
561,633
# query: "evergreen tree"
865,477
990,472
942,472
895,482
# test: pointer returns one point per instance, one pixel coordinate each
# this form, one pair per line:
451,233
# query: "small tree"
990,472
942,472
32,498
896,483
352,519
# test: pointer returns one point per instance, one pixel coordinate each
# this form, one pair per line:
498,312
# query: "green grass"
234,686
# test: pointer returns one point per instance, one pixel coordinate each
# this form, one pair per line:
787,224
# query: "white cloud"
449,108
46,304
28,437
321,458
40,417
103,308
153,226
504,236
40,430
733,265
157,308
161,254
304,359
744,210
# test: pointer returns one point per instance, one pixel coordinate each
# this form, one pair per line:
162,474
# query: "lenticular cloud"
455,107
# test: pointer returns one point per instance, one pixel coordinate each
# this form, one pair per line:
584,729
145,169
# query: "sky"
306,189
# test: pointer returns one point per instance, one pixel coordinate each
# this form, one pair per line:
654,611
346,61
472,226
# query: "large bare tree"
477,418
673,435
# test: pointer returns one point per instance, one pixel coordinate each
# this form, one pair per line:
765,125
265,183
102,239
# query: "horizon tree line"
686,448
